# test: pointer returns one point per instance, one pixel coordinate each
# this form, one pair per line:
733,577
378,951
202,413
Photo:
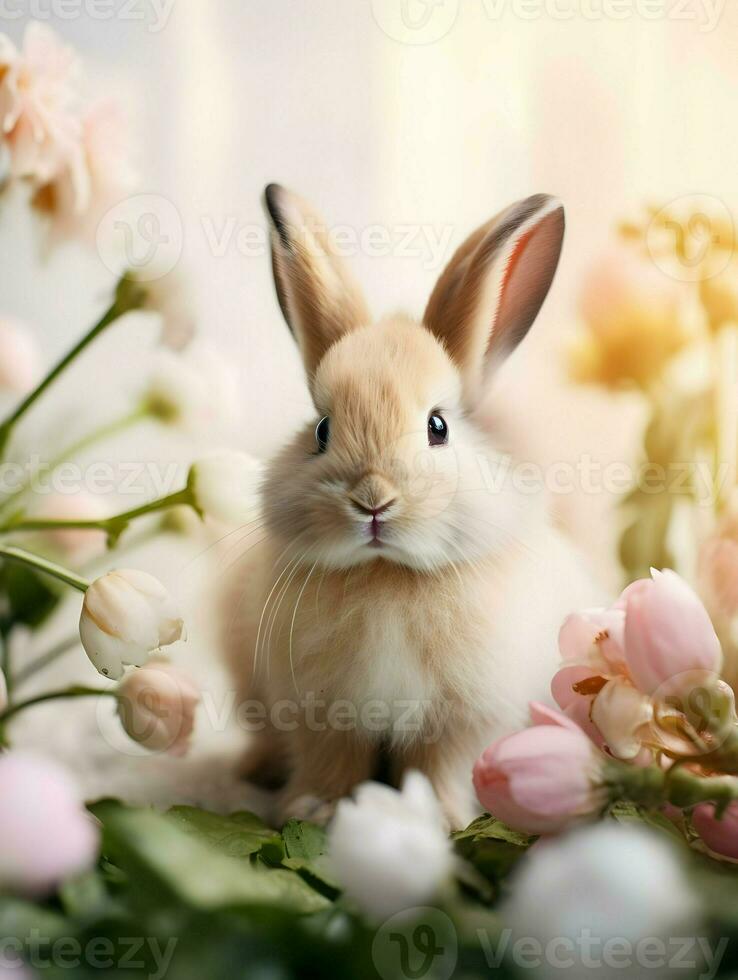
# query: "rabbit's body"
406,603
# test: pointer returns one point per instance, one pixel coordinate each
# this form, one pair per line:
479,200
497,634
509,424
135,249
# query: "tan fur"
449,628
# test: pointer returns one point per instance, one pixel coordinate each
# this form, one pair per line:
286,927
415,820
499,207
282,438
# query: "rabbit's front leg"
325,766
447,762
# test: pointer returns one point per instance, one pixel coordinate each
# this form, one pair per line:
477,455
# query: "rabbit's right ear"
492,289
319,299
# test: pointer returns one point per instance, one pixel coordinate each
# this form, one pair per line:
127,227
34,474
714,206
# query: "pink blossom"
45,833
542,778
669,638
37,101
19,357
719,834
157,707
88,184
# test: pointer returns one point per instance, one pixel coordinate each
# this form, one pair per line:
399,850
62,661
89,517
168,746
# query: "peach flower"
19,357
157,707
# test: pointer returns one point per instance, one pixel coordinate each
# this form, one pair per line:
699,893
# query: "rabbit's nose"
372,511
372,495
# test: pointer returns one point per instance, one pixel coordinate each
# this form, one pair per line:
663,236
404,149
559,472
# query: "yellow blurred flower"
719,295
635,319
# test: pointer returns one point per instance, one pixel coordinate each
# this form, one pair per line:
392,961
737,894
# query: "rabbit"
400,612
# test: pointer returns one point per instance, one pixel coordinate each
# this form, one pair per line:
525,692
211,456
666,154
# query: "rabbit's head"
393,465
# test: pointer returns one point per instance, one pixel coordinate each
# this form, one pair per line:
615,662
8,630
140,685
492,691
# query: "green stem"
113,526
12,553
69,692
128,296
90,439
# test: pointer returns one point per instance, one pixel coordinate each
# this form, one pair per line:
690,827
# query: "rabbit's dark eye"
437,430
322,434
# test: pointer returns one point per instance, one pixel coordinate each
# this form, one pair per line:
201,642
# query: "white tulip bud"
605,884
127,616
226,486
389,848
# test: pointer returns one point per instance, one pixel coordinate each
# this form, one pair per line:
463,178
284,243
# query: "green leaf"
304,840
166,864
31,598
237,835
627,812
20,919
487,827
85,897
491,846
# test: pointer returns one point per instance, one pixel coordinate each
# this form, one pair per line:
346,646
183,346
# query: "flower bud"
157,706
389,848
127,615
543,778
19,360
226,486
720,834
46,833
669,638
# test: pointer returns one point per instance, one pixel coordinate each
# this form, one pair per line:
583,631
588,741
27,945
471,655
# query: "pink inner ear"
525,282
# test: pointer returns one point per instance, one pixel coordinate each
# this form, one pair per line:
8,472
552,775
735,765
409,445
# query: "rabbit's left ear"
492,289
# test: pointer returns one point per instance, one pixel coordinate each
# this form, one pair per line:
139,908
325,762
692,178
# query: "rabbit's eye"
437,430
322,434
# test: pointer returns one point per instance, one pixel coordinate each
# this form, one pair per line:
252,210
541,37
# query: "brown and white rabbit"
401,607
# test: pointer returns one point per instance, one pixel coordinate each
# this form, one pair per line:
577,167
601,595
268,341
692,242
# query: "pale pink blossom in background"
46,835
76,544
157,706
38,97
718,569
20,361
543,778
719,834
75,201
669,637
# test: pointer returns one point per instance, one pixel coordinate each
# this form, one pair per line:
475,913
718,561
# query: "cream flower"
226,486
37,99
127,616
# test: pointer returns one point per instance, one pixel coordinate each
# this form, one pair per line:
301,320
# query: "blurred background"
413,119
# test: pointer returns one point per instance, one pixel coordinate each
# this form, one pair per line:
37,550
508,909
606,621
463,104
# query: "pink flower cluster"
71,157
634,685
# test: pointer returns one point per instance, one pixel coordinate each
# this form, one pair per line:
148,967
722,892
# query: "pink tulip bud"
720,835
19,360
670,641
45,833
157,707
540,779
